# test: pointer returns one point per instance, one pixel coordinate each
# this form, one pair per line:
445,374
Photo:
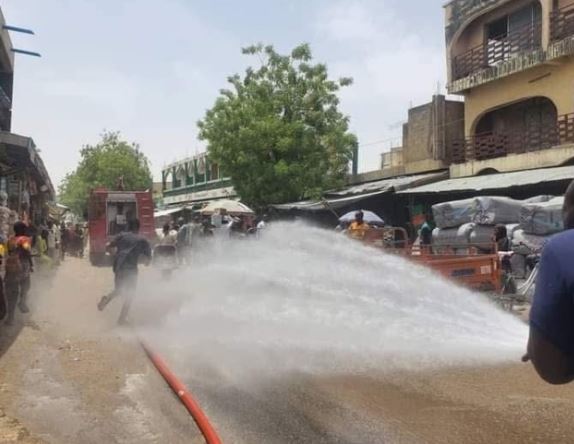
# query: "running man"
129,246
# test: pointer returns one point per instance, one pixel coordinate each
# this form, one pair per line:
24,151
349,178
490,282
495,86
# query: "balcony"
501,144
562,23
498,49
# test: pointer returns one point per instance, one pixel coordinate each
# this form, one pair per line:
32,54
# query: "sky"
150,69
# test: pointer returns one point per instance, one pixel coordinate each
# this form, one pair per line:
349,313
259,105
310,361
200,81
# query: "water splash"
306,299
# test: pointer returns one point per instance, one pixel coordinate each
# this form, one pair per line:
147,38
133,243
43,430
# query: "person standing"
19,266
358,228
130,247
64,240
51,241
425,234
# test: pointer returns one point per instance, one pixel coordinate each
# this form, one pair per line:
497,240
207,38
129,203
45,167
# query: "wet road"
68,375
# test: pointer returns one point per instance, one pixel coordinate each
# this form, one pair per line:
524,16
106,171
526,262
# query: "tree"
277,132
102,165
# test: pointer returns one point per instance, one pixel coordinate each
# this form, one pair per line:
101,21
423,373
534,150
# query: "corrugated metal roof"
496,181
339,199
388,185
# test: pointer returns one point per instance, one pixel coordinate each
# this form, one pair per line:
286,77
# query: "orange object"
187,400
479,271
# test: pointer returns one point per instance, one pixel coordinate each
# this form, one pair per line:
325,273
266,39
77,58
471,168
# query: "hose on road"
181,391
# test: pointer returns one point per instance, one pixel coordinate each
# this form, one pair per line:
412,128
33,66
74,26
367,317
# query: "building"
193,182
511,61
23,176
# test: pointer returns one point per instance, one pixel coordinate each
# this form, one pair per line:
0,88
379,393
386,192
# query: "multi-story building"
23,176
194,181
512,61
6,77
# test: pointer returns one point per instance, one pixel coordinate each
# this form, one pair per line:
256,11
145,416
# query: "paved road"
70,376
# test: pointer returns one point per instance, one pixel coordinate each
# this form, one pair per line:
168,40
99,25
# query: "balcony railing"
562,23
525,38
494,145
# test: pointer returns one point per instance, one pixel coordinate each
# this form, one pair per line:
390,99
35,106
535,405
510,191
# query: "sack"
543,218
538,199
482,235
491,210
453,214
526,244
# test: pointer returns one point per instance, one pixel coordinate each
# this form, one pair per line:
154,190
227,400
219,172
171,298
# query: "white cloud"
392,66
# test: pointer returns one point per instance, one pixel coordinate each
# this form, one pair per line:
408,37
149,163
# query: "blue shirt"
552,313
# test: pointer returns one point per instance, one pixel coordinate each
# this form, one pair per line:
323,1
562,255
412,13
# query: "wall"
392,158
429,130
555,82
516,162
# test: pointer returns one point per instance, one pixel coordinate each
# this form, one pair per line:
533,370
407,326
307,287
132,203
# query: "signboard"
218,193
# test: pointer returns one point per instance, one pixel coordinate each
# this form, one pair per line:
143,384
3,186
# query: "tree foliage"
102,165
277,131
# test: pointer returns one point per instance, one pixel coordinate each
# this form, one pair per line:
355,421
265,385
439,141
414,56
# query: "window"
514,33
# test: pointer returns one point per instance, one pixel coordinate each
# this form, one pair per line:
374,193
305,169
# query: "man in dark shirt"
551,343
129,246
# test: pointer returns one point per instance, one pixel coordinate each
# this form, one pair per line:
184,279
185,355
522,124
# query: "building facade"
512,62
23,176
428,134
194,181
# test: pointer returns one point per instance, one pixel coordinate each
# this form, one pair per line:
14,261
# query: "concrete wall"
538,159
429,131
392,158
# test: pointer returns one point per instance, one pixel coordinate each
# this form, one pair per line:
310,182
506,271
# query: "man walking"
129,246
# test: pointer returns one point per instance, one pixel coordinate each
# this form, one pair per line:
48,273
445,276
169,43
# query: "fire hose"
183,394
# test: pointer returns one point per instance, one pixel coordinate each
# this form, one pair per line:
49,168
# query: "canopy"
167,212
496,181
368,216
233,207
333,200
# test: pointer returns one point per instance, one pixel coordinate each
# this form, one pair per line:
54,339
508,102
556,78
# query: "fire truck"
110,212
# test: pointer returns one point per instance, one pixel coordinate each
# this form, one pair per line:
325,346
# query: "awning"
20,152
334,200
496,181
167,212
389,185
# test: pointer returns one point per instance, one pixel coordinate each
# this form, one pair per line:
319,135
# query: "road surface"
68,375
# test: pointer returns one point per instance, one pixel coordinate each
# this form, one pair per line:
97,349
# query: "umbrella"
233,207
368,216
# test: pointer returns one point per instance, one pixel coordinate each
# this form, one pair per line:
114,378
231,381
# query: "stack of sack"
529,223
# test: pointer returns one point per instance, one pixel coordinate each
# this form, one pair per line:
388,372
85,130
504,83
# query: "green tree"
277,132
102,165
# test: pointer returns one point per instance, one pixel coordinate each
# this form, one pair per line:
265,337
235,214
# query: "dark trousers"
125,284
16,291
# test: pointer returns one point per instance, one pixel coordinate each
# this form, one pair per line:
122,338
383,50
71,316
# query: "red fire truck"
110,212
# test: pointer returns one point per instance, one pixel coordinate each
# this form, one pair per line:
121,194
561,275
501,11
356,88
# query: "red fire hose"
180,390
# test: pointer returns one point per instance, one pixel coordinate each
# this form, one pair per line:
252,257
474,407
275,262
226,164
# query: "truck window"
119,215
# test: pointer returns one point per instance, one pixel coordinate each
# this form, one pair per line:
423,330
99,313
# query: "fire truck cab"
110,212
